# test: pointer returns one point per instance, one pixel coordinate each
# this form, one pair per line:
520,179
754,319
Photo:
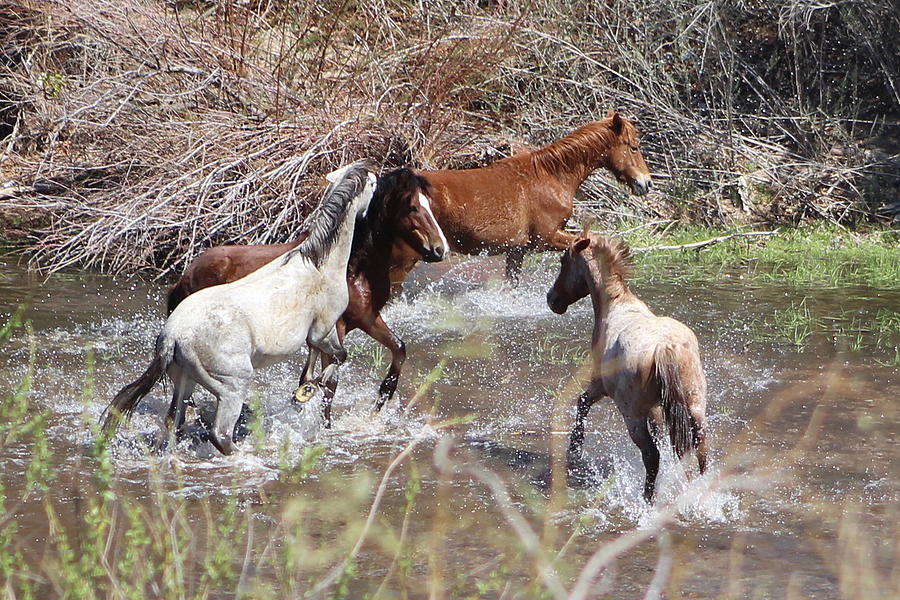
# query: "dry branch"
151,130
703,244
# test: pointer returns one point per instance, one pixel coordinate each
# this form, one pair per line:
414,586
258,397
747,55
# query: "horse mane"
584,145
324,223
392,190
614,256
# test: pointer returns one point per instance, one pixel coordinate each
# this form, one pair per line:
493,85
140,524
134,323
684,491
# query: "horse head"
571,284
407,200
624,158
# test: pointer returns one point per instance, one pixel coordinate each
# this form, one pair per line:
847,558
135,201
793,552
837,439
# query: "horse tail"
128,397
675,397
178,293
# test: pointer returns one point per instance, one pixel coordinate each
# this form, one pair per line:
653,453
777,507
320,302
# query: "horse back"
630,341
488,209
224,264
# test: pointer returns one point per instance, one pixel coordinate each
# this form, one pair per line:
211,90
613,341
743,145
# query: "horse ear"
580,245
617,123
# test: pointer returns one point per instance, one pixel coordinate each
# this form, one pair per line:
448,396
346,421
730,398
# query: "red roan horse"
650,366
522,202
399,219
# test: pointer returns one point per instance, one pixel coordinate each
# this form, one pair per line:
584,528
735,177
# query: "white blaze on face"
426,204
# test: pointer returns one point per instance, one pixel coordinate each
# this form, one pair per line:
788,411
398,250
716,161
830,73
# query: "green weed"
813,256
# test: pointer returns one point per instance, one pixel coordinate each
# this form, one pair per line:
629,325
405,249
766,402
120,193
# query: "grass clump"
825,256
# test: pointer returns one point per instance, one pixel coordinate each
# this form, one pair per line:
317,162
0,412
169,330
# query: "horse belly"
279,339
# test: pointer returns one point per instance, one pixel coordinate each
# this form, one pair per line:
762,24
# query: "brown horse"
650,366
523,202
399,215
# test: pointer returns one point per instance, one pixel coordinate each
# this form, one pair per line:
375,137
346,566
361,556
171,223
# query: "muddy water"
805,476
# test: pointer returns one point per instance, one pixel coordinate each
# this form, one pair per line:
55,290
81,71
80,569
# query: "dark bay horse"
399,216
650,366
523,202
219,336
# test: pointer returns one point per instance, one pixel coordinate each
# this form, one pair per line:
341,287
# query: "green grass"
794,325
812,256
816,264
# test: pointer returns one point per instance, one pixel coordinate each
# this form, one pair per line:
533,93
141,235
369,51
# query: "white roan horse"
219,335
649,365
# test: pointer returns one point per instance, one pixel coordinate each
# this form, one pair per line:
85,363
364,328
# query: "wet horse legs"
333,355
576,466
184,387
380,332
639,430
514,259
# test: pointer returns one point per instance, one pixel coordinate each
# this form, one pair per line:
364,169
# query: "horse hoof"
305,393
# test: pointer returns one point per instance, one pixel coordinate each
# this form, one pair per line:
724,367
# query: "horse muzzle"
434,254
554,304
640,187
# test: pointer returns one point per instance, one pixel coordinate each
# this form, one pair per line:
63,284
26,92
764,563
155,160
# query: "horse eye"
413,209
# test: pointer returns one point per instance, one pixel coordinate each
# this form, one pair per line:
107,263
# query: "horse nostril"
439,251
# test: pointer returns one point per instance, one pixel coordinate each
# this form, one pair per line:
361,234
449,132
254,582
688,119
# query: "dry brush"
143,131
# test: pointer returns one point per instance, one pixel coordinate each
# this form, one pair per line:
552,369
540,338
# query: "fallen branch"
704,243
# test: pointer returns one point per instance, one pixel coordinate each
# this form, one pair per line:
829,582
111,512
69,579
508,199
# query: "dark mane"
393,192
324,223
614,256
585,144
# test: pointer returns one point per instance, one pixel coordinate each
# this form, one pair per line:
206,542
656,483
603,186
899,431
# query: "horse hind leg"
227,413
698,432
639,430
174,420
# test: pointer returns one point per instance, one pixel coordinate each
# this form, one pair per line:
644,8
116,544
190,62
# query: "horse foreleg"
514,259
306,389
576,438
329,381
333,355
381,333
639,431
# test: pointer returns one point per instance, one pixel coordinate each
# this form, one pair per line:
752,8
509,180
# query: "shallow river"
802,497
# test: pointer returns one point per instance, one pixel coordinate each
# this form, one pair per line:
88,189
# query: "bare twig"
703,244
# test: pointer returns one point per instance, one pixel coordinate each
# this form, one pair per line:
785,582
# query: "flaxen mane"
324,223
585,144
615,257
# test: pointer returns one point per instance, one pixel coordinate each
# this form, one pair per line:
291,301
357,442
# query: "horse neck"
605,295
338,257
572,163
372,258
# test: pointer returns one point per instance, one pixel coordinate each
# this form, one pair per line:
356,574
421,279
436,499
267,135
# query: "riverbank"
814,255
138,153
